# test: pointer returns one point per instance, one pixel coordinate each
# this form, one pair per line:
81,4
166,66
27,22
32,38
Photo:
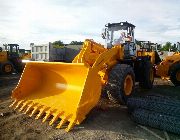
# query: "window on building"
37,56
45,48
45,56
33,56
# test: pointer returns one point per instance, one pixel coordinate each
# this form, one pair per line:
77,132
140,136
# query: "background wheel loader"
169,68
10,59
68,91
149,49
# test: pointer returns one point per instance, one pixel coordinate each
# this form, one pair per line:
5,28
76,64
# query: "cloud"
40,21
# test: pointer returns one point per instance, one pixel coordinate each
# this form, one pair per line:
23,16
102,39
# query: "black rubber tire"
115,85
157,120
3,65
157,104
173,72
145,81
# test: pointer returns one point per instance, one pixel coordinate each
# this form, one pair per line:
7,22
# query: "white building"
40,52
46,52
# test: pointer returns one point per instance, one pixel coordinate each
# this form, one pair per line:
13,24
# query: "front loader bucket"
66,91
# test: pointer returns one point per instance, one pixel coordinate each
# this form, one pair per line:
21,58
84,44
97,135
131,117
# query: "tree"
169,47
76,43
58,44
166,47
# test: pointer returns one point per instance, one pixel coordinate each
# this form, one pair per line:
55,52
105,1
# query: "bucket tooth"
48,114
63,121
55,118
24,105
70,126
15,101
29,108
18,104
41,112
35,110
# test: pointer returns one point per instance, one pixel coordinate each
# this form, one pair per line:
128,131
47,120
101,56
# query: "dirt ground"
106,121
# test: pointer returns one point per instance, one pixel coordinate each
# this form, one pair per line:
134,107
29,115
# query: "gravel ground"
105,121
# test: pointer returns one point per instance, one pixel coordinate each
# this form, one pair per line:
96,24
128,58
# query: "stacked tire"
156,111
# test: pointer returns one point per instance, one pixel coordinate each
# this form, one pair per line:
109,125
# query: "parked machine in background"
25,54
170,68
149,49
9,59
70,90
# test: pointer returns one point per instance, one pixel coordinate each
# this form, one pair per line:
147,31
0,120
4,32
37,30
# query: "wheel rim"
178,75
151,75
128,85
8,68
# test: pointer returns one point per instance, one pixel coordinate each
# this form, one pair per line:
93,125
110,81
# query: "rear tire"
120,84
147,77
175,75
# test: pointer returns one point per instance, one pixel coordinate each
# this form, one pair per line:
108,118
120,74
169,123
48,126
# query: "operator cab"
13,50
120,33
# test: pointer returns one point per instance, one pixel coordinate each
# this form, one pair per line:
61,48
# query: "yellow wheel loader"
9,59
149,49
169,68
68,91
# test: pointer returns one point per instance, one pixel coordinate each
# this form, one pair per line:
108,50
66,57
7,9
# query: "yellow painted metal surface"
67,91
8,68
163,68
144,53
128,85
3,56
26,56
89,53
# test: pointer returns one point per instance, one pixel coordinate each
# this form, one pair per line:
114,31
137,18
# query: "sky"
42,21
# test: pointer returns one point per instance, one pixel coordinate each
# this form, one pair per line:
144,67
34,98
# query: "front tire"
121,83
175,75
